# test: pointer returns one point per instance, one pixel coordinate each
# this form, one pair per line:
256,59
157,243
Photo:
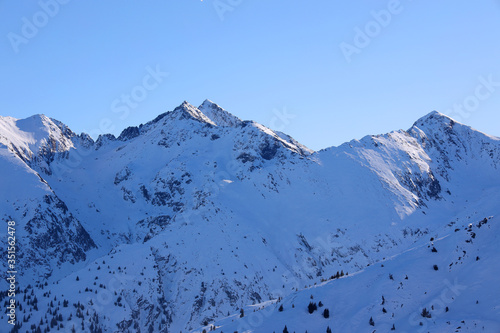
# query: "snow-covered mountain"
181,223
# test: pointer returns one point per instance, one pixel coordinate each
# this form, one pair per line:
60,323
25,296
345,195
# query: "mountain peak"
434,118
218,115
34,122
187,110
35,136
207,102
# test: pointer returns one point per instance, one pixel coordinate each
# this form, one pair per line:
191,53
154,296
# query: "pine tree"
280,308
328,330
326,313
285,330
312,307
371,322
425,313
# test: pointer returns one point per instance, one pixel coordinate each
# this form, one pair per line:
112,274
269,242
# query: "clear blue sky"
257,59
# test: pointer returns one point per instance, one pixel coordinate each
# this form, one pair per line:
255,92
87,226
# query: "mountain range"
198,220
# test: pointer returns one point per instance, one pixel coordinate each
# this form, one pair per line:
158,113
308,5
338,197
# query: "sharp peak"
208,102
38,120
185,105
37,116
433,121
435,117
208,112
187,109
219,115
438,122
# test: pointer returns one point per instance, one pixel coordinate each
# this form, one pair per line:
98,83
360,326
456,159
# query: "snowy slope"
186,219
48,235
453,275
